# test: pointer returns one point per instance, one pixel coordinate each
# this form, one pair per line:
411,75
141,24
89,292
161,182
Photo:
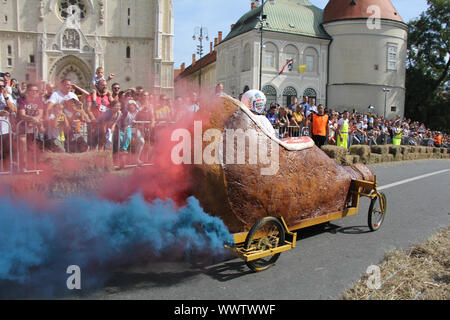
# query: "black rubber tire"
263,264
375,205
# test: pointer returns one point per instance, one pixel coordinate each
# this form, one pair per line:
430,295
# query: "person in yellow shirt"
299,114
342,131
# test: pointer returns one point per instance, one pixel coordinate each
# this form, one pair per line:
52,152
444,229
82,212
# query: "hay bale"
362,151
387,157
396,151
78,165
348,160
416,149
356,158
336,153
405,150
375,158
380,149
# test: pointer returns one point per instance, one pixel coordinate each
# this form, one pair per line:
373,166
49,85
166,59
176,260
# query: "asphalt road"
326,261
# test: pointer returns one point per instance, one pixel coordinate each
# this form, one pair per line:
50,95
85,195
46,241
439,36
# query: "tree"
427,70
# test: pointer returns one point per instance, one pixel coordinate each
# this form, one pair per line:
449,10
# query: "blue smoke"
37,246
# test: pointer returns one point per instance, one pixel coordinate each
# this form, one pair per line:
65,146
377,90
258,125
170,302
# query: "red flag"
287,64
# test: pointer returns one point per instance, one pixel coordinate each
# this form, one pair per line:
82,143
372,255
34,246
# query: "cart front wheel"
377,211
266,234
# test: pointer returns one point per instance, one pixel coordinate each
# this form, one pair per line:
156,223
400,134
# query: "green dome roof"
287,16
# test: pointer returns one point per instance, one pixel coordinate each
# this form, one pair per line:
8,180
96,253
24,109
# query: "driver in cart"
255,101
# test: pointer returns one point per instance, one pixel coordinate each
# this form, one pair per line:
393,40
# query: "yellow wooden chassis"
355,193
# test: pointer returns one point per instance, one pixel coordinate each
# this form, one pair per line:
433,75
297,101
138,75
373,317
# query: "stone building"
54,39
352,50
292,31
367,55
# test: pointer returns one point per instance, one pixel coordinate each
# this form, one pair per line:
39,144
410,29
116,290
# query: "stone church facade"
48,40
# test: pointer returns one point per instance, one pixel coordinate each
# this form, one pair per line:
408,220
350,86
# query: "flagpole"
262,19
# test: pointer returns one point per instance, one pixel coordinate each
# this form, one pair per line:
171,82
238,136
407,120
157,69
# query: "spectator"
273,116
31,113
313,108
319,126
115,92
193,103
397,134
128,129
299,115
99,75
7,80
306,105
77,119
60,96
293,106
8,110
343,130
58,124
283,122
111,123
16,90
438,139
146,114
97,106
163,112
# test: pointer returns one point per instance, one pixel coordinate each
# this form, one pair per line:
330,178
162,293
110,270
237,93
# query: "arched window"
246,65
271,94
270,58
291,52
288,96
128,52
67,8
311,59
311,94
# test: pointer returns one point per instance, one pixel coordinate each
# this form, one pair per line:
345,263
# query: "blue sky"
218,16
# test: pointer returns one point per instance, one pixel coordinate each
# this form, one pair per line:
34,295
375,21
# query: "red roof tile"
357,9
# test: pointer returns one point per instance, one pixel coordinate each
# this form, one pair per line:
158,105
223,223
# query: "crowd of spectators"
364,128
67,118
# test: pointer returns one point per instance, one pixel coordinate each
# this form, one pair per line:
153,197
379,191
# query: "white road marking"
411,179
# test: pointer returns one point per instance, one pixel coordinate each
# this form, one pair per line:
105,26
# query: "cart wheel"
377,212
267,233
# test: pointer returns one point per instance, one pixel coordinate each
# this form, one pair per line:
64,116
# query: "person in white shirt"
61,96
7,108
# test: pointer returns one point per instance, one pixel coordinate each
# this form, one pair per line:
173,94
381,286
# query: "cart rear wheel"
267,233
377,212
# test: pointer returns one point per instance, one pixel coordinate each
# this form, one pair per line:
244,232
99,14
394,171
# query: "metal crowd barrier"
138,151
38,141
292,132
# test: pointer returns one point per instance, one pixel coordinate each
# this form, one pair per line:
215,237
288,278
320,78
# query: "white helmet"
255,100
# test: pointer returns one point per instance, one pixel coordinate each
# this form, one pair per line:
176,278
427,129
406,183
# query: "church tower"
367,56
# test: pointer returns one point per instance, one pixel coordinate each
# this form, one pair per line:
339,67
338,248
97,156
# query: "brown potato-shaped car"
308,184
